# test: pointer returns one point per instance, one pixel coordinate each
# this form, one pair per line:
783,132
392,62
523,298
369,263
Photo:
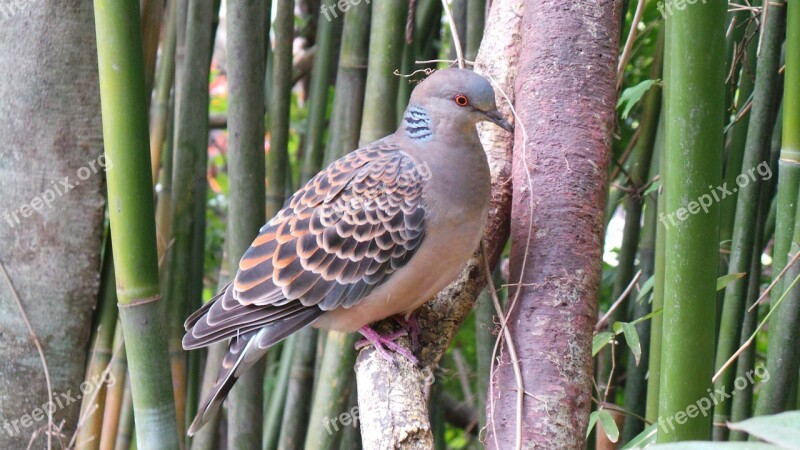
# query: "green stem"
782,356
694,97
246,209
298,392
130,194
314,149
332,390
756,155
385,56
280,94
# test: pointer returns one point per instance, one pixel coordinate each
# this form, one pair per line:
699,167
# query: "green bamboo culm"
694,98
280,94
476,20
782,357
130,192
246,207
351,78
298,391
332,392
737,132
314,148
756,156
275,407
165,76
105,322
188,195
657,301
385,56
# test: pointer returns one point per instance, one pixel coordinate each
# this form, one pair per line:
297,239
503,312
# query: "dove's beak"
497,118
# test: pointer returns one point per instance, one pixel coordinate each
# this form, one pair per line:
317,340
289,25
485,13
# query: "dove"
374,235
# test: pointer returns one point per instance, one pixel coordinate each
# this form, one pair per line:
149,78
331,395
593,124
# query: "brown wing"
344,233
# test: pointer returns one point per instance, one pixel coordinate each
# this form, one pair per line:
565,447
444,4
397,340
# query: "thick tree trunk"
52,180
405,411
565,95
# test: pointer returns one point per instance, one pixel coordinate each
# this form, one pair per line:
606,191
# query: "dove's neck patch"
417,124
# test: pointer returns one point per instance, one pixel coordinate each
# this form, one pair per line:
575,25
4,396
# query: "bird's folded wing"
344,233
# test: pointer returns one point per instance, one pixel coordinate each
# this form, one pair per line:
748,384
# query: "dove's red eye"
461,100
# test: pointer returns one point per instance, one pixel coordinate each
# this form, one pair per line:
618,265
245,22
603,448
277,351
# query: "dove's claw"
382,343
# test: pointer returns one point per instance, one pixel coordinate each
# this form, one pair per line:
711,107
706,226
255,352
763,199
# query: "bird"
374,235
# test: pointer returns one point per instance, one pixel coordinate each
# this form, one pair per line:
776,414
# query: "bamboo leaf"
632,338
779,429
647,287
704,445
725,280
592,421
631,96
609,425
600,340
645,438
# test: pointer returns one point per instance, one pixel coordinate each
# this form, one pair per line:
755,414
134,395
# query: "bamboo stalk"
275,409
280,91
638,170
695,43
635,397
112,410
188,193
348,100
298,392
744,239
657,302
125,430
152,10
314,148
782,357
742,403
159,108
385,56
105,323
737,139
246,212
332,390
476,20
124,100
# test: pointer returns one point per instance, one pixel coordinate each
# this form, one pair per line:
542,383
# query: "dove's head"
460,97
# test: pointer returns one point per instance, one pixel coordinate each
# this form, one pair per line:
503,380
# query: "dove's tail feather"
243,351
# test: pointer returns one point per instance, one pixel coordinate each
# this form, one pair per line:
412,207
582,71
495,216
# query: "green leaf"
632,338
654,187
725,280
592,420
643,439
647,287
705,445
609,425
600,340
631,96
779,429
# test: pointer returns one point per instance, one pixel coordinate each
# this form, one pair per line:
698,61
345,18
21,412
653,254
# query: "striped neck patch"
417,123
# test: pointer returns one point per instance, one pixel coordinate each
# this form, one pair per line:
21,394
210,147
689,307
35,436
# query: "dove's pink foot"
412,326
382,343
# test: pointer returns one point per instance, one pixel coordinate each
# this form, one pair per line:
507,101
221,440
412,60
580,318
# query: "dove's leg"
382,343
410,323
